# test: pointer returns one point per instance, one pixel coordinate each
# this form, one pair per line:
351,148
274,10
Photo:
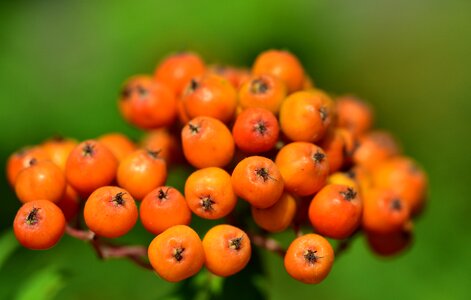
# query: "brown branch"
268,244
106,250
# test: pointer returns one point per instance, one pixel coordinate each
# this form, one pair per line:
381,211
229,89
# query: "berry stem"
268,244
105,250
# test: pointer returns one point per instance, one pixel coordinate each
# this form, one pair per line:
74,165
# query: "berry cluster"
296,157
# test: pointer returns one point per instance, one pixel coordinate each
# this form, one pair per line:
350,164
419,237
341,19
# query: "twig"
106,250
268,244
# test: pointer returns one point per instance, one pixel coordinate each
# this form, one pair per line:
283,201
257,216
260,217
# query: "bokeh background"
62,64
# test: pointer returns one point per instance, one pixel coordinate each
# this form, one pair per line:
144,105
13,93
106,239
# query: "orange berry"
42,180
210,95
119,144
176,70
39,225
141,172
227,250
90,165
255,130
303,166
406,178
209,193
69,203
163,208
264,91
283,65
21,159
257,180
207,142
110,212
384,212
162,139
147,104
354,114
309,258
375,147
58,150
335,211
305,116
277,217
177,253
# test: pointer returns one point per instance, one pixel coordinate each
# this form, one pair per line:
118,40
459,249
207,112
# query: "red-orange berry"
39,225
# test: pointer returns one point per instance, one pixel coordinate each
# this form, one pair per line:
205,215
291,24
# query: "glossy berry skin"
309,258
277,217
305,116
227,250
177,253
255,130
58,150
257,180
303,166
22,159
404,176
375,147
353,114
39,225
163,208
384,212
41,180
209,193
338,145
166,142
141,172
281,64
147,104
210,95
263,91
207,142
119,144
176,70
110,212
335,211
90,165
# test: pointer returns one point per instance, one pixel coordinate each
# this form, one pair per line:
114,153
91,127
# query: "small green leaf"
42,285
8,245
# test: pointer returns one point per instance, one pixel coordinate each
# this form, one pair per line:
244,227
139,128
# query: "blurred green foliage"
62,64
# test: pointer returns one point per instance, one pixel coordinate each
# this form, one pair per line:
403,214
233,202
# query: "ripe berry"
283,65
210,95
207,142
90,166
335,211
255,130
119,144
309,258
227,250
209,193
39,225
110,212
263,91
147,104
176,70
22,159
257,180
141,172
41,180
353,114
384,212
277,217
305,116
163,208
177,253
303,166
58,150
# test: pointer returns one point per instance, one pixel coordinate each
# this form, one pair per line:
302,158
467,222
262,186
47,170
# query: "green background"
62,64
